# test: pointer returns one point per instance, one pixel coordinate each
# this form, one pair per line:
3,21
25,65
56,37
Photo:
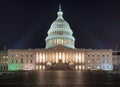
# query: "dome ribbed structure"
60,33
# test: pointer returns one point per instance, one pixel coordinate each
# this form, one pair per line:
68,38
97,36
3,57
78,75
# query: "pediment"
59,48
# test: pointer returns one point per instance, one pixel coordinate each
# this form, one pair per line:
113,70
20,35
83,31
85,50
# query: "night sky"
24,24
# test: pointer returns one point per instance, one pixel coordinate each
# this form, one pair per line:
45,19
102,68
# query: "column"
43,58
37,57
56,57
40,55
76,58
79,57
63,57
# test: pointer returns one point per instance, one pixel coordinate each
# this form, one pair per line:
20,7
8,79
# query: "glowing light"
88,61
66,57
76,57
37,57
49,63
76,67
13,67
83,58
43,58
98,67
60,56
40,57
79,57
56,57
63,57
88,67
43,67
40,67
56,31
79,67
36,67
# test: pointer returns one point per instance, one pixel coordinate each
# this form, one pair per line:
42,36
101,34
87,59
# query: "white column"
60,56
43,58
63,57
43,67
56,57
76,58
37,57
79,67
66,57
40,67
70,56
79,57
76,67
40,55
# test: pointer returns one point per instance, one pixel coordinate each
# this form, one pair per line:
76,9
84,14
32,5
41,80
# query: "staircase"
60,66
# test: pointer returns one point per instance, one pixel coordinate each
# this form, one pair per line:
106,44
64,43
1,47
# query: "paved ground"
60,79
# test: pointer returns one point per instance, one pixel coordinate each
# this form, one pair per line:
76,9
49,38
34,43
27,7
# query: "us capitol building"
59,54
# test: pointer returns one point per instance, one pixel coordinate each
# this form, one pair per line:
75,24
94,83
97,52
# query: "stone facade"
116,60
21,59
3,61
60,57
99,59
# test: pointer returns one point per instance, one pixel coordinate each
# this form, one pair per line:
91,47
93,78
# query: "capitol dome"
60,33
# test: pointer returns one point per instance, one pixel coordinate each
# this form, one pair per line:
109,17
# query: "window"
21,55
103,61
92,55
31,61
26,61
98,55
21,60
12,61
1,67
16,61
107,61
88,55
103,55
4,67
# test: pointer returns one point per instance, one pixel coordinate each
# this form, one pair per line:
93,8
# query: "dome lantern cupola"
60,33
60,13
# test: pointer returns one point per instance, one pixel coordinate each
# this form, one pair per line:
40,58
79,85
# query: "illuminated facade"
116,60
21,59
60,33
3,61
60,57
60,53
